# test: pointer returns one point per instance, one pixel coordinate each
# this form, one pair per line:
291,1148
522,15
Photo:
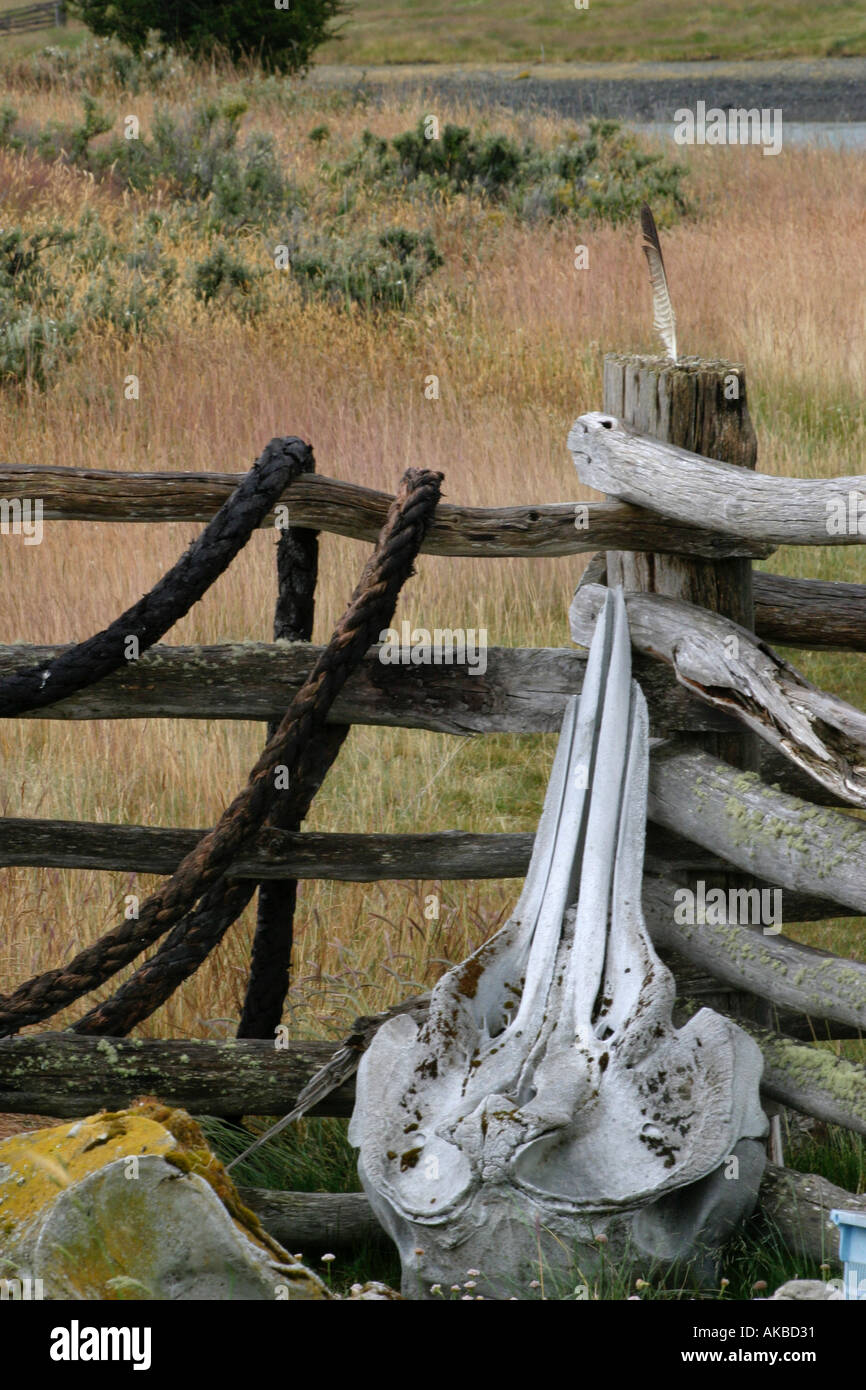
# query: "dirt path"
825,89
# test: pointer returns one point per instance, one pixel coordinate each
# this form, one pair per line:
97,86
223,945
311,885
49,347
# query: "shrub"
223,277
283,38
31,344
376,271
604,174
196,153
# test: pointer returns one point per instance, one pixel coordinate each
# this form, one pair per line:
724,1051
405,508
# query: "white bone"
548,1098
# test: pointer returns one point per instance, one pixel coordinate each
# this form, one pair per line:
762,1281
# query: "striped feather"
664,322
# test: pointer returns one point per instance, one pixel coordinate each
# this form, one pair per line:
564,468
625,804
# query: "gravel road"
826,89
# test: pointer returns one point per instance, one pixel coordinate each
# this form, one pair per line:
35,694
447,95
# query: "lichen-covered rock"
134,1205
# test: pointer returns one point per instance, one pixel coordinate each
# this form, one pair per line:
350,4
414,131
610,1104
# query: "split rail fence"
751,771
26,17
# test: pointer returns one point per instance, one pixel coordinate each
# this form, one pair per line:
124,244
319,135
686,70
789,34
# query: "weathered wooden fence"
26,17
741,739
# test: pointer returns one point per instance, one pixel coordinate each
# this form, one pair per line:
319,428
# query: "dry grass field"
768,271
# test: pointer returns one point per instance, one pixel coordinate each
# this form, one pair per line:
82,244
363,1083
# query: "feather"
664,321
340,1066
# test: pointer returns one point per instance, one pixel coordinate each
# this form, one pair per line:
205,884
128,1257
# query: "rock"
133,1204
810,1290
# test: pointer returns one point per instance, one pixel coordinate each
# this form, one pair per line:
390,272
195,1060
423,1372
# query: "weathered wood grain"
813,613
70,1075
346,509
619,461
812,1080
726,666
796,1208
314,1223
523,690
793,844
816,983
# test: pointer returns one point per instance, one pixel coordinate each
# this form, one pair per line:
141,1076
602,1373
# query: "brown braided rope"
191,941
370,610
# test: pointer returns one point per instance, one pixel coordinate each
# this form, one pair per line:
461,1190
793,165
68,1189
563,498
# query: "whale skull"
548,1101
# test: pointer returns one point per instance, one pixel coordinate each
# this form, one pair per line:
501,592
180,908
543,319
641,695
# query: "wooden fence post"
701,406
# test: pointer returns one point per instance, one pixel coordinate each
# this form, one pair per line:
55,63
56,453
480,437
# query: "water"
837,135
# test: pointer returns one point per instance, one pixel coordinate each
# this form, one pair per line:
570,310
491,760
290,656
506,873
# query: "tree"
282,35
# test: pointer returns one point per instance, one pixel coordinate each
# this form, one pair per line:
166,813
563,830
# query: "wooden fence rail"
347,509
26,17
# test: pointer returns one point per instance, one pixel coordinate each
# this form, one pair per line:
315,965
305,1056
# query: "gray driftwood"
789,974
814,613
314,1223
66,1075
797,1206
812,1080
275,854
610,456
797,846
729,668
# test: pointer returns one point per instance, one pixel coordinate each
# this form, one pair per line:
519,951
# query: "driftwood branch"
814,613
763,831
68,1074
635,468
345,509
723,664
796,1207
812,1080
790,975
278,854
314,1223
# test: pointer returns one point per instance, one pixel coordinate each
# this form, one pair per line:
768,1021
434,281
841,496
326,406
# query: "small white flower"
326,1259
470,1284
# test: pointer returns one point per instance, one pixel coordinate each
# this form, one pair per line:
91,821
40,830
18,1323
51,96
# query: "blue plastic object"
852,1250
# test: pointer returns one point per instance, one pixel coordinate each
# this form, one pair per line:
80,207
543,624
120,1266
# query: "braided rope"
370,609
271,955
172,597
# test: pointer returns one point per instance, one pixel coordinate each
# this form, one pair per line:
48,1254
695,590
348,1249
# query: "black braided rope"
270,959
172,597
